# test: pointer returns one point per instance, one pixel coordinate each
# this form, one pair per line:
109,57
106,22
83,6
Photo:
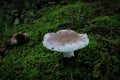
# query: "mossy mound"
99,60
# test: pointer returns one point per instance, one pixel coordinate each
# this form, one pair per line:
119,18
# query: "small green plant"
5,28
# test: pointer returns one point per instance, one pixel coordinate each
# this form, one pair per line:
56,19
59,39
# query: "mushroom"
19,38
66,41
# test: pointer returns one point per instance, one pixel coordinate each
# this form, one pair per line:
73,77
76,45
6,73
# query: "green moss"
105,21
33,61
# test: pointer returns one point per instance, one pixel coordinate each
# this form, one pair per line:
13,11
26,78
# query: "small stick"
54,68
105,39
71,76
111,31
115,45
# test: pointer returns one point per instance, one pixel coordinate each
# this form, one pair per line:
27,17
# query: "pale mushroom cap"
65,41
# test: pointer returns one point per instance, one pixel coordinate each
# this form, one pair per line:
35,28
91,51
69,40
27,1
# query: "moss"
105,21
33,61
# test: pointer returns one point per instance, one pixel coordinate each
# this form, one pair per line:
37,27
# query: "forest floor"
100,60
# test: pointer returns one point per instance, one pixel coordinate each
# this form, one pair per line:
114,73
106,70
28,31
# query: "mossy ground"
100,60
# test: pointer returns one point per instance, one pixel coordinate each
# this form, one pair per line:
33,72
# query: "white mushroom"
66,41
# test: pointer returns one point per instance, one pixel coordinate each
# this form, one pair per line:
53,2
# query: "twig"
107,40
107,65
72,76
54,68
113,45
111,31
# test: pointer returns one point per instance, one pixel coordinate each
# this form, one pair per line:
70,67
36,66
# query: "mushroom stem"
68,54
